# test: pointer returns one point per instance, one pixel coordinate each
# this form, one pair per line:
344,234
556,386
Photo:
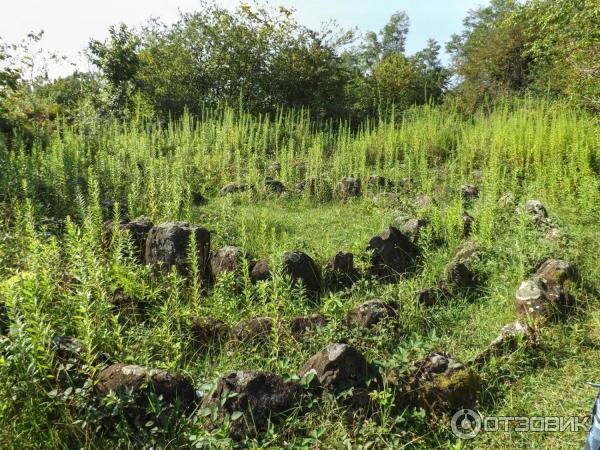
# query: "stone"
467,221
274,167
349,187
300,267
546,294
442,383
465,251
260,271
137,229
423,202
460,274
412,228
433,295
340,271
233,188
539,301
557,272
536,210
507,341
168,243
229,259
208,331
252,329
336,368
300,325
67,349
469,192
198,199
260,397
371,313
175,392
379,182
393,254
274,186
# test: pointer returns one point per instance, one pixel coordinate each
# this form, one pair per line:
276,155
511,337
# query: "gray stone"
229,259
232,188
371,313
337,367
349,187
301,268
252,329
261,397
167,245
172,390
442,383
392,254
260,271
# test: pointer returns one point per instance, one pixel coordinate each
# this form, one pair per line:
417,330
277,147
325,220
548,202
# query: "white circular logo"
466,423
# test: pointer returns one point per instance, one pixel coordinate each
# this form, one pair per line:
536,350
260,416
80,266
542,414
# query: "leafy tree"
119,62
488,56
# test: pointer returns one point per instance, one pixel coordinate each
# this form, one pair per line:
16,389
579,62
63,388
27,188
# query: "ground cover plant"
82,291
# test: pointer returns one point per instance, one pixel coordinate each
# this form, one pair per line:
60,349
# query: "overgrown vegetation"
177,112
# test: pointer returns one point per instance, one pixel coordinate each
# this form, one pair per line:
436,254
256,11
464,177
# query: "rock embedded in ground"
137,229
198,199
229,259
260,271
507,341
423,202
67,349
301,268
379,182
232,188
460,274
301,325
172,390
557,272
469,192
349,187
433,295
168,244
255,329
274,186
442,383
467,221
534,209
208,331
274,167
260,397
337,367
392,254
546,294
340,271
412,228
371,313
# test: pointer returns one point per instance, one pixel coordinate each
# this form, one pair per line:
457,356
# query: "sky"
70,24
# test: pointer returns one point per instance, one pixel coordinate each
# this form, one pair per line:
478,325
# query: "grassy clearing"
57,278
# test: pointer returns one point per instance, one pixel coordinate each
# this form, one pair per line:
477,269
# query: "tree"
488,56
433,75
393,35
119,62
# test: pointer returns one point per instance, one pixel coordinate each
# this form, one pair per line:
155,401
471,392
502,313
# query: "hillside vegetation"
60,275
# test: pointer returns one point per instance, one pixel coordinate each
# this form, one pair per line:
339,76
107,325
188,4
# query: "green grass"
57,278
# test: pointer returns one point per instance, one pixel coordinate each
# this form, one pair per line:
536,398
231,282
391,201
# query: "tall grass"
58,276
